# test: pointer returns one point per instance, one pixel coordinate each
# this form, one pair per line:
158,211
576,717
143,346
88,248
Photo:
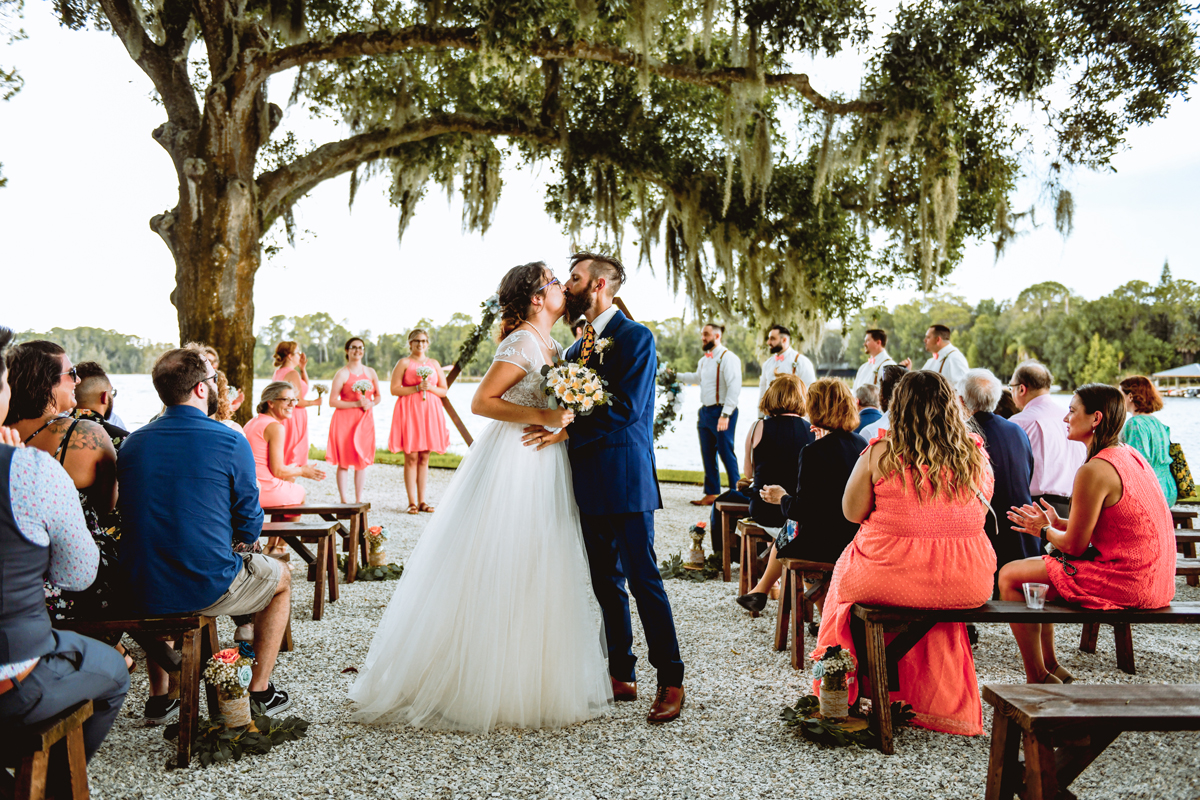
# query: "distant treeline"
118,353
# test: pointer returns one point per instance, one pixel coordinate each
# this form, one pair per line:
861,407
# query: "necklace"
539,335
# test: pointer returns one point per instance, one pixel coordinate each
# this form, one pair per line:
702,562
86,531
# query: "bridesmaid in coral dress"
1117,506
352,430
418,422
919,491
290,366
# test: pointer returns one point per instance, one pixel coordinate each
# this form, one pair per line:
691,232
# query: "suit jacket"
1012,462
612,449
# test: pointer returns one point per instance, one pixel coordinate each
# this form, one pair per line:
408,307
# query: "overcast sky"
85,177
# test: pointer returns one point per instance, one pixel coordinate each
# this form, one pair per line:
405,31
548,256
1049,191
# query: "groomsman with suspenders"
783,361
946,359
871,372
720,377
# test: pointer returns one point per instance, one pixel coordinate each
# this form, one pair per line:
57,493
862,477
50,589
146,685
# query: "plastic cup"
1035,595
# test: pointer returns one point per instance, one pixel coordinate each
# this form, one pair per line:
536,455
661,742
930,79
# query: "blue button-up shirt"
187,492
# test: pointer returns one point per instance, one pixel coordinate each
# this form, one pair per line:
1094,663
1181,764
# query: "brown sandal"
412,508
130,663
428,509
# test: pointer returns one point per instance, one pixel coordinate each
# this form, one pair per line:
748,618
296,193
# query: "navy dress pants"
715,443
620,550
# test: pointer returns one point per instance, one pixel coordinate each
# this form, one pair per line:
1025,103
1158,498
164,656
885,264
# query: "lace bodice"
523,349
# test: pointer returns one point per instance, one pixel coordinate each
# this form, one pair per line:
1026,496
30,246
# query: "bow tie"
779,357
935,356
708,354
871,360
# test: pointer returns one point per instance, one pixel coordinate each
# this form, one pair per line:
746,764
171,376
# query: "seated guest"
918,494
1055,457
225,409
94,400
1006,407
866,397
889,376
188,488
1118,508
821,529
235,397
1012,464
43,672
1146,434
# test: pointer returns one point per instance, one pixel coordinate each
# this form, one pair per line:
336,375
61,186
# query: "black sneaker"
161,710
273,701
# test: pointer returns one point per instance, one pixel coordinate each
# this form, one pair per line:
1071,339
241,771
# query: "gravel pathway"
729,742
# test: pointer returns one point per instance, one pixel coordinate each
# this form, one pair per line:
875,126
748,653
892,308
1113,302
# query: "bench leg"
1073,759
796,598
77,765
331,569
1003,764
364,557
1041,774
726,557
1124,636
785,608
1087,640
881,704
356,532
321,576
211,645
189,696
743,567
31,776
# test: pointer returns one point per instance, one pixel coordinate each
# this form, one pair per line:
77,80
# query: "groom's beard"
776,349
577,305
706,346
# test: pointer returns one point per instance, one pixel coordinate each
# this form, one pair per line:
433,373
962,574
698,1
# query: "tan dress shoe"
707,500
624,692
667,704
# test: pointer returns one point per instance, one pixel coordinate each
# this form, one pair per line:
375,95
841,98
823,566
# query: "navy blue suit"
1012,463
616,487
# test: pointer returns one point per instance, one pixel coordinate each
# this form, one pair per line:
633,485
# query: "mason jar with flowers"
230,672
377,536
832,666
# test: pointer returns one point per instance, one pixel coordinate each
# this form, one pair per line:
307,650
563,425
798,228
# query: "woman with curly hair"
920,492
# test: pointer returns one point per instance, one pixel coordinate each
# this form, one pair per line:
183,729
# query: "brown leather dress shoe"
667,704
624,692
707,500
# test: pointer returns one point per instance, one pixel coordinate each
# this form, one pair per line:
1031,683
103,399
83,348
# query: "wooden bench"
1065,728
752,564
1183,517
869,624
353,533
1185,543
730,512
796,603
198,636
322,566
30,750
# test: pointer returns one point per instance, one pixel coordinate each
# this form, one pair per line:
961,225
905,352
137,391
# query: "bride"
494,622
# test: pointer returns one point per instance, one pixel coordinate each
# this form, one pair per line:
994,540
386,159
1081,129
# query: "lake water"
678,449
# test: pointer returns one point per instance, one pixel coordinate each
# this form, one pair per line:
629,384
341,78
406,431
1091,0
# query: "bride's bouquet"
424,372
576,387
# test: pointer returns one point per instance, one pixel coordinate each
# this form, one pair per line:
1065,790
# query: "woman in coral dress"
418,422
291,366
267,435
920,492
1118,508
351,442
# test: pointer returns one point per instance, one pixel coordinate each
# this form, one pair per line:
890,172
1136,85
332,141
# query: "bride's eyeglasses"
551,283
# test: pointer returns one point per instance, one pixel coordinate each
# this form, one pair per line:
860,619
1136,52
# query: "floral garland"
668,387
491,310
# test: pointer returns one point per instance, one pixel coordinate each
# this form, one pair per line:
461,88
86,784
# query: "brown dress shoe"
667,704
707,500
624,692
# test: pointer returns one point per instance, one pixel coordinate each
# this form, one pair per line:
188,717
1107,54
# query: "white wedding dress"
494,623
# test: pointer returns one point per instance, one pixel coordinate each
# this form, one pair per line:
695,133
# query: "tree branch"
350,45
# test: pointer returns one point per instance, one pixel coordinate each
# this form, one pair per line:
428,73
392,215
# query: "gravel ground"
729,742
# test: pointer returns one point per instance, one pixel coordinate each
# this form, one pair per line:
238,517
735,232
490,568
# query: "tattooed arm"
91,461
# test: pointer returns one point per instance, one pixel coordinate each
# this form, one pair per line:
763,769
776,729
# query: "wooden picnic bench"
870,624
752,565
353,533
731,511
1185,541
796,603
1065,728
29,753
322,566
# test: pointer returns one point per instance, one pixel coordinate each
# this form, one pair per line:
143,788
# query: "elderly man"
783,361
871,372
1055,457
945,359
1012,464
94,398
719,374
867,399
188,490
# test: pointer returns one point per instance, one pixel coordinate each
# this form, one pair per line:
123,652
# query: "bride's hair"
517,289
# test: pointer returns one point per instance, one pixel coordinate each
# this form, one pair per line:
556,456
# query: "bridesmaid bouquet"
362,386
576,387
320,389
423,373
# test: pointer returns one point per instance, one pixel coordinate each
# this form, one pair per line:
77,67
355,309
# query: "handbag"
1181,473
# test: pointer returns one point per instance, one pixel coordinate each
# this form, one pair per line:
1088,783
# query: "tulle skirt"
494,623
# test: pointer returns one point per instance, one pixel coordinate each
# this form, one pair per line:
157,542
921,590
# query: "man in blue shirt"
187,493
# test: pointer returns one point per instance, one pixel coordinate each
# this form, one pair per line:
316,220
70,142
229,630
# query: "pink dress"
418,424
272,491
295,443
1136,540
919,555
352,430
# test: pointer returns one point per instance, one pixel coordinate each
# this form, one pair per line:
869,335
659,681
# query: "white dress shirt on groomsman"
783,361
946,360
871,372
719,374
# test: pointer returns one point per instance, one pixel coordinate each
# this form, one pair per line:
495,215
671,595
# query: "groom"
616,486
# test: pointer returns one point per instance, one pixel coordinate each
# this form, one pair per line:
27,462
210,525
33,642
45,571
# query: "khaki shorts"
252,588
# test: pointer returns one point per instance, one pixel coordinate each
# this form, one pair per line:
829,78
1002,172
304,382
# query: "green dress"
1152,439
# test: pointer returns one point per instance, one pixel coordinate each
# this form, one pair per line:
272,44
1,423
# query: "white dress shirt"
601,322
1055,457
875,428
721,359
871,372
950,363
788,362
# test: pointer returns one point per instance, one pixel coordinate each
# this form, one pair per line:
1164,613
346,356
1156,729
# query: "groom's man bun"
607,267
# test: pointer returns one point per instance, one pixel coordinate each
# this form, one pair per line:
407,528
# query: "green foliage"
805,718
117,353
386,572
672,567
218,743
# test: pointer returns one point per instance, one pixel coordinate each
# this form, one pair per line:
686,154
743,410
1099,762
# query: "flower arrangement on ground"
832,666
695,560
230,672
423,372
377,536
670,388
575,387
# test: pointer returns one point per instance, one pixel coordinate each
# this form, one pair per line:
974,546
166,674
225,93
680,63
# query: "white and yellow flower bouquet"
574,386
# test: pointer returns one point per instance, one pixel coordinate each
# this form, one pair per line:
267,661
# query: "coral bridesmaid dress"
352,430
418,424
295,443
272,491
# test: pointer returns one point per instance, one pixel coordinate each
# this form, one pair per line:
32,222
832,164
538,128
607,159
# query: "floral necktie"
589,342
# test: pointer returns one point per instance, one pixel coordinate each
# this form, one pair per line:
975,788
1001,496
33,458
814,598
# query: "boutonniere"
602,346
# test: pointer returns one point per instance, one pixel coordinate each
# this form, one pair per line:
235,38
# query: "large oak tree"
683,118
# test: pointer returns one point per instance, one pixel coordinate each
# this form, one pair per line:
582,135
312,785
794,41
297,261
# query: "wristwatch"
724,416
1043,532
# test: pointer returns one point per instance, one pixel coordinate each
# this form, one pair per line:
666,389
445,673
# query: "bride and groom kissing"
514,606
